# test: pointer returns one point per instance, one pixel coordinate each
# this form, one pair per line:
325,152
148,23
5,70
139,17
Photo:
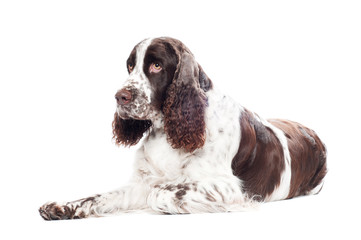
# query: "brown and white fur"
201,150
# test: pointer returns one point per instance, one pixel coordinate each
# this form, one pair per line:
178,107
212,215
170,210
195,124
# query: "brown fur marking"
308,154
259,160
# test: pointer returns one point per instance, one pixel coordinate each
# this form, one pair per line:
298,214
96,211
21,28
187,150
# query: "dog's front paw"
55,211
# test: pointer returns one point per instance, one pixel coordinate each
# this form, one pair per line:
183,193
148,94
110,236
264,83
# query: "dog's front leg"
215,195
131,197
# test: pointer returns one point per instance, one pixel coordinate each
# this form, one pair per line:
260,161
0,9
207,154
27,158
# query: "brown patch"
170,187
82,201
185,165
183,186
308,157
81,215
259,160
179,195
182,190
53,211
161,52
204,81
88,199
185,102
69,212
128,132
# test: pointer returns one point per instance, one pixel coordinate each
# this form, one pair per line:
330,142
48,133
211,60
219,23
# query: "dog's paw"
55,211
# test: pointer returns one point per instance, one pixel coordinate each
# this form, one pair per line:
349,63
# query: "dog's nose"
123,97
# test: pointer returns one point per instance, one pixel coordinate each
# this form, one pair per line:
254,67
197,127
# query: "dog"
200,151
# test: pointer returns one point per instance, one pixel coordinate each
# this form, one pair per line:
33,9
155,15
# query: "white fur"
138,74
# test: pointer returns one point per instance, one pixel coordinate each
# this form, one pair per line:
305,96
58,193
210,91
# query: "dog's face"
165,82
151,67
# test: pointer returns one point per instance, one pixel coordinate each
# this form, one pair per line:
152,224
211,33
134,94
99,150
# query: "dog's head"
165,83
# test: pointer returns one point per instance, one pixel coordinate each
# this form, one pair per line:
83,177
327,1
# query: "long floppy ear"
128,132
185,105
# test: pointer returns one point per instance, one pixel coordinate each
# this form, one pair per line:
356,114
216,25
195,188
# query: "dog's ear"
185,105
128,132
204,81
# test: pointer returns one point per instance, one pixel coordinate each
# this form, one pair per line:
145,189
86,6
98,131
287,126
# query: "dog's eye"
130,67
155,67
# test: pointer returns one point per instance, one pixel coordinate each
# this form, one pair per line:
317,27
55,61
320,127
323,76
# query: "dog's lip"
124,116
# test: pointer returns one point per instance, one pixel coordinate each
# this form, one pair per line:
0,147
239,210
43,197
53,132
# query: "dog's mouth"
123,115
142,114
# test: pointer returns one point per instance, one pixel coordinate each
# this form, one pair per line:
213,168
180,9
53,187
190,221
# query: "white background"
61,63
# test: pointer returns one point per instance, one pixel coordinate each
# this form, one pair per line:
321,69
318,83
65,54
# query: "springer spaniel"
202,151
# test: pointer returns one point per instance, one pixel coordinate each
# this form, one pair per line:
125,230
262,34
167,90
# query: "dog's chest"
161,158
